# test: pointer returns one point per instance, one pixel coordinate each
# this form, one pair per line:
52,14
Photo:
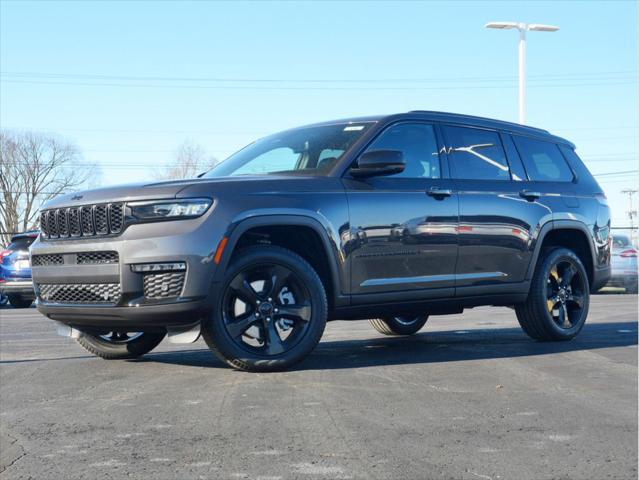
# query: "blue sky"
129,81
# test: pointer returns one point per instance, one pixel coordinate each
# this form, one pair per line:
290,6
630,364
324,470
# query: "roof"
452,118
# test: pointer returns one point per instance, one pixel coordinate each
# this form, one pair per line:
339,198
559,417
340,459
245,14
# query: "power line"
308,88
81,76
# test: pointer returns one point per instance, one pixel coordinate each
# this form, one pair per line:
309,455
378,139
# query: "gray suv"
391,219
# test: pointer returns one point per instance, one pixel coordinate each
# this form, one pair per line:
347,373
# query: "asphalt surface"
470,397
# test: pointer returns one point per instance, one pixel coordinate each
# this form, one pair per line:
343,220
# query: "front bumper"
23,288
192,242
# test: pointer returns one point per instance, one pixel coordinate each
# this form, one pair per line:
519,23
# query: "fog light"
159,267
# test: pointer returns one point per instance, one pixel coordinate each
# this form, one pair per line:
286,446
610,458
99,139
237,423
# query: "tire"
253,339
17,301
400,325
559,297
100,346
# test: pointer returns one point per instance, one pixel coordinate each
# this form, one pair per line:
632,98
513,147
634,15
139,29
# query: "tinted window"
418,143
543,160
476,154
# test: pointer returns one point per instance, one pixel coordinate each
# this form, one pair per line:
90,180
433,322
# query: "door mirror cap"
379,162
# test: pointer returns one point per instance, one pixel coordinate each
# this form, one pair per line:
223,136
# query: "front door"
404,226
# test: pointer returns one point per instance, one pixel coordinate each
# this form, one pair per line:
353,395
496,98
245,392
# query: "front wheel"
401,325
120,345
270,311
559,297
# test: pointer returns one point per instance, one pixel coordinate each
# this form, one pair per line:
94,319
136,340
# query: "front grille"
89,293
92,258
86,221
47,259
163,285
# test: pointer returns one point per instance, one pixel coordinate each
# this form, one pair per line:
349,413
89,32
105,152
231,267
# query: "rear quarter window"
543,160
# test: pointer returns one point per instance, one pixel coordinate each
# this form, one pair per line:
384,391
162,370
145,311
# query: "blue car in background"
15,271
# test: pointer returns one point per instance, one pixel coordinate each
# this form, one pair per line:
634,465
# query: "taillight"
629,253
5,253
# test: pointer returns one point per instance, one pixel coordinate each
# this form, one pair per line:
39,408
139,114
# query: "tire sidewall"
139,346
403,328
554,257
215,331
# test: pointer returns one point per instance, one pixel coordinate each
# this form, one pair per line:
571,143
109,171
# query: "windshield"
304,151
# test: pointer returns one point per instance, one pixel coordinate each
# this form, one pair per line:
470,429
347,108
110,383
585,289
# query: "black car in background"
390,218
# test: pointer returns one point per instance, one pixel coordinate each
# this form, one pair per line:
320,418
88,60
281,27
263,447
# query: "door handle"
530,195
439,192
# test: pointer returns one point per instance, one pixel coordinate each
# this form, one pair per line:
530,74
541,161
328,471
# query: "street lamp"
523,28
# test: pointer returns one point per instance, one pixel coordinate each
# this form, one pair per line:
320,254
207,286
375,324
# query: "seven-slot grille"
86,221
91,293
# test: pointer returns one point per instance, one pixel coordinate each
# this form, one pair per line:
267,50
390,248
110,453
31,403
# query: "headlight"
169,210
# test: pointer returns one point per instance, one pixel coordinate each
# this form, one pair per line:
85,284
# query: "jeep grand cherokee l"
390,218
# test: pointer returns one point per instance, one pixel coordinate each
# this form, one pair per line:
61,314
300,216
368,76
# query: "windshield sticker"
354,128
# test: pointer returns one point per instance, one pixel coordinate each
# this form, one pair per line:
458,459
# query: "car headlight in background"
169,209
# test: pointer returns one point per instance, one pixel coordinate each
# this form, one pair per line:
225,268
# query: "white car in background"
624,264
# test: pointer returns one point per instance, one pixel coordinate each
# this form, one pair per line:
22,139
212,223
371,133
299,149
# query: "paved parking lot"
471,397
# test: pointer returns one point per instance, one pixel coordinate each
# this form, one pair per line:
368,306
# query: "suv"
393,218
15,271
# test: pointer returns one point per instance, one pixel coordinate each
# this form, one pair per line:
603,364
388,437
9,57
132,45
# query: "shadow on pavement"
431,347
425,347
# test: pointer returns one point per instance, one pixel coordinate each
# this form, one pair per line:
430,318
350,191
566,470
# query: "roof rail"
474,117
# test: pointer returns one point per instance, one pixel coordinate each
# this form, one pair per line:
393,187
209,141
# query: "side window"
476,154
418,143
543,160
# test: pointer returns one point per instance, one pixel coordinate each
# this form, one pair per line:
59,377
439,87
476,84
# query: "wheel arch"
332,274
570,234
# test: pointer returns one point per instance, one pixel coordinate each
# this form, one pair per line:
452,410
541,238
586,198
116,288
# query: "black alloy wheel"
270,310
267,309
559,297
565,293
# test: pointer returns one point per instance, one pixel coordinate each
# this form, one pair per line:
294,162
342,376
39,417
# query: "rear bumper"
24,288
600,278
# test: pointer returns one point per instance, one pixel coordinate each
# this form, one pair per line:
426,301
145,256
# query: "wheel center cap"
266,308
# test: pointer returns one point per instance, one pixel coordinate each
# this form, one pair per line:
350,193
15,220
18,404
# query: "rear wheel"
401,325
17,301
270,312
557,305
121,345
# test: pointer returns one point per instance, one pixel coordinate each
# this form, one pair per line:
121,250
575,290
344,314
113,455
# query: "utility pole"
632,213
523,28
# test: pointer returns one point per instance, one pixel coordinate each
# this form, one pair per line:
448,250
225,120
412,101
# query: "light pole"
523,28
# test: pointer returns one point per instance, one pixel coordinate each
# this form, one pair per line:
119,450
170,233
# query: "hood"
119,193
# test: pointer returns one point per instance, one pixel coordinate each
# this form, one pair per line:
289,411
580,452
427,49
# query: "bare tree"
35,167
189,160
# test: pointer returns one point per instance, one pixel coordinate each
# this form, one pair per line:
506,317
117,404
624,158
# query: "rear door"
496,224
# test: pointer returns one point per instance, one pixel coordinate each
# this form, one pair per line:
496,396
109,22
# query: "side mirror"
379,162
